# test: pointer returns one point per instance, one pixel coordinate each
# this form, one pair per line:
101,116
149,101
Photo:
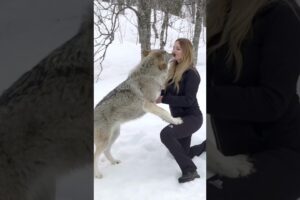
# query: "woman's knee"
165,134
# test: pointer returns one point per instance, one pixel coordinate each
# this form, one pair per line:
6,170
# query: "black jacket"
261,110
185,102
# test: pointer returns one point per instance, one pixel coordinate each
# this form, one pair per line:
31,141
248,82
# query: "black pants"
277,177
197,149
177,138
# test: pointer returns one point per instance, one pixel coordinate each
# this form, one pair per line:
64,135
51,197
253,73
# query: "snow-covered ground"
147,170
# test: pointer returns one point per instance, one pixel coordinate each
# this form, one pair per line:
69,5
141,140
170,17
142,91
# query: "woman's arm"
191,86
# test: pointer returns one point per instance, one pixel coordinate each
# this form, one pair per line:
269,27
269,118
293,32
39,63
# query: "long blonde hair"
233,21
177,69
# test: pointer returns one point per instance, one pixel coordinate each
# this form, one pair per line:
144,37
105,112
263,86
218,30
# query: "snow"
147,170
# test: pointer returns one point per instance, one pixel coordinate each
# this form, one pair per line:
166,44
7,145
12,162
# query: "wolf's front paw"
97,174
177,120
115,162
236,166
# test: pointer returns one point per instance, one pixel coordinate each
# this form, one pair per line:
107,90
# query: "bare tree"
193,10
106,21
168,7
105,25
131,2
204,13
120,6
198,26
144,24
154,24
172,6
164,30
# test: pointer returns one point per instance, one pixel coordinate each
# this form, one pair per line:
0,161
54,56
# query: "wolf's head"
157,58
154,64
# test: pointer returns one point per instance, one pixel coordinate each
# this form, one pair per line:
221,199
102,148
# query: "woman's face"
177,52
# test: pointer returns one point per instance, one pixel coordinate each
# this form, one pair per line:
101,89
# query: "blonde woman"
180,93
252,69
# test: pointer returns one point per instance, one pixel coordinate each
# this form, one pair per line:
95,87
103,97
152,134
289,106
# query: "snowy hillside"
147,170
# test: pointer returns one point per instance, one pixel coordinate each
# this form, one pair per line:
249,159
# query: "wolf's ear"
145,53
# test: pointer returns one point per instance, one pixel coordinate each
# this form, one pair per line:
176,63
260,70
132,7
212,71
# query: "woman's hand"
158,100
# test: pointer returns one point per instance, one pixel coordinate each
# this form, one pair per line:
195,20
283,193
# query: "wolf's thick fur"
130,100
46,121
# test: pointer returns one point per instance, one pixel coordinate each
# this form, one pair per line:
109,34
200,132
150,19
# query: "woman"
180,93
252,69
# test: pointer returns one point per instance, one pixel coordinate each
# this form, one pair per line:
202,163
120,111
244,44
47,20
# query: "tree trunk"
198,26
131,2
163,29
193,7
171,6
204,12
154,24
120,6
144,24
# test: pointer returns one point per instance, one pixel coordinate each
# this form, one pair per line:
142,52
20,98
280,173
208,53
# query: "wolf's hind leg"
107,152
101,142
162,113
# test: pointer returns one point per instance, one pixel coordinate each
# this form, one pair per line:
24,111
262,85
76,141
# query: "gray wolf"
130,100
45,121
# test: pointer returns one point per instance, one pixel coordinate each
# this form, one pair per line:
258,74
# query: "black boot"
197,150
188,176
